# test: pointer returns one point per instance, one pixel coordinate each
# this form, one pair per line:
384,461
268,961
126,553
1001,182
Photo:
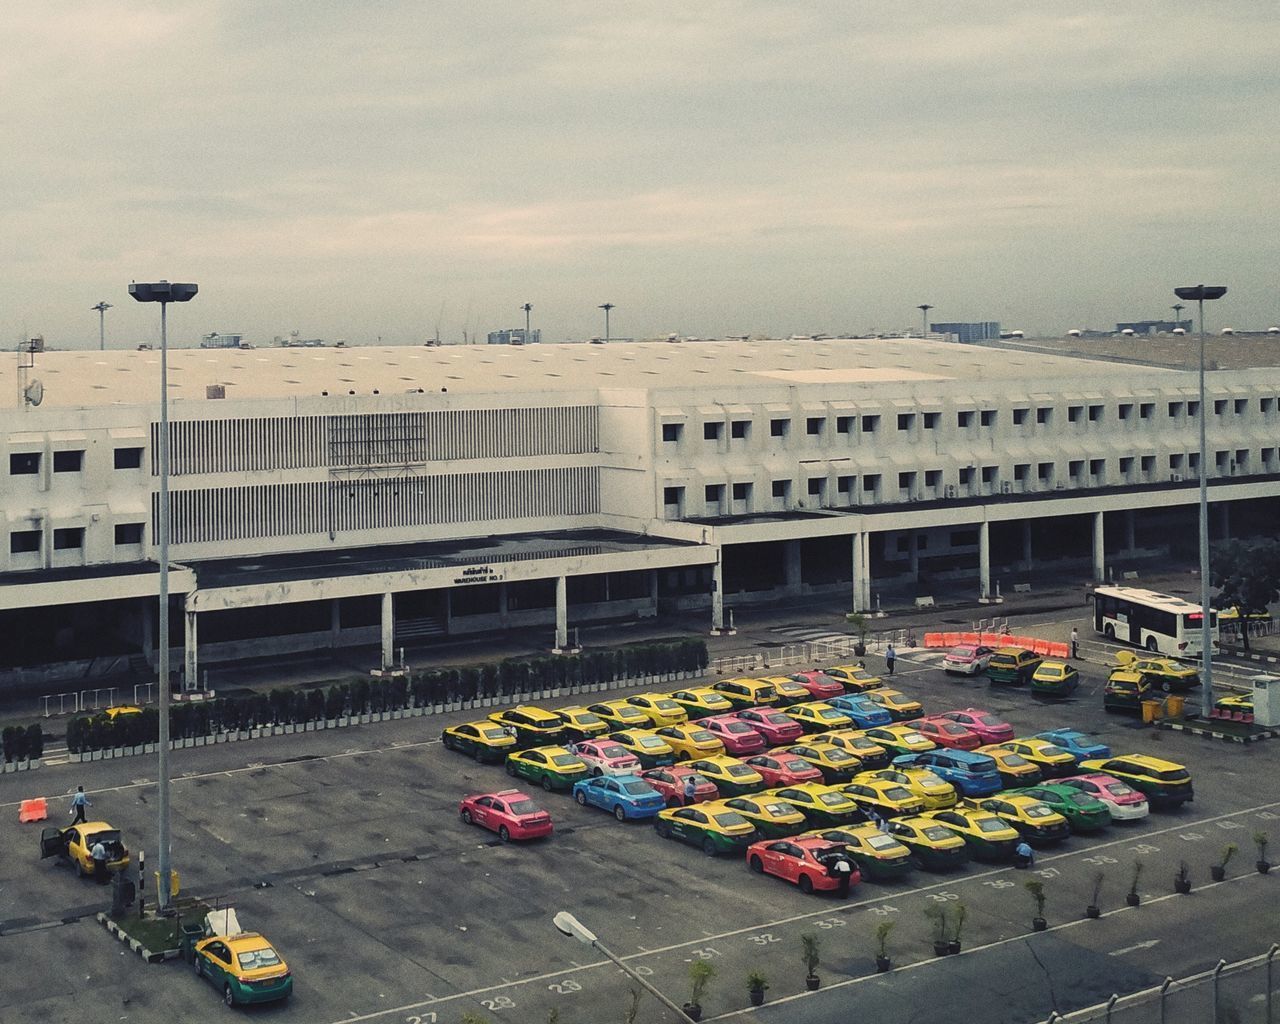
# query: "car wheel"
620,813
1110,632
662,828
447,740
709,846
672,802
684,755
504,834
466,817
1166,686
546,783
478,754
756,865
581,797
511,768
596,772
806,884
1152,646
228,996
196,965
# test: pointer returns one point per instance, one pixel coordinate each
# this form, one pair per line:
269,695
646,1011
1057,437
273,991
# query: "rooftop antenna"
101,308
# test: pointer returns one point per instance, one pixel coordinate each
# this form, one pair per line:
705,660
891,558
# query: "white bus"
1155,621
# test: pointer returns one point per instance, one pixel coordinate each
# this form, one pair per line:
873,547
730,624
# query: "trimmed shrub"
35,741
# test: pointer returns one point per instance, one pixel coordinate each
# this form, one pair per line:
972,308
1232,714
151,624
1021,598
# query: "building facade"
515,336
988,330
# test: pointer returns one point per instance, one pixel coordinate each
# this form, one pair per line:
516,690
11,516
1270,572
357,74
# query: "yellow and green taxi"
690,741
701,701
818,716
788,691
933,846
76,843
856,678
883,796
660,709
836,765
855,742
651,749
712,826
1235,703
820,804
988,836
1050,758
772,818
551,767
618,714
244,968
746,693
901,708
581,724
878,854
1033,819
484,740
1055,679
933,790
1161,673
1163,783
122,711
731,776
1014,769
534,726
900,739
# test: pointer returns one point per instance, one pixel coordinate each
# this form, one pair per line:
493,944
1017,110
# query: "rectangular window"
1126,410
1268,456
966,475
1175,410
1074,413
779,428
712,493
844,484
1221,459
739,429
1193,462
1175,462
932,477
989,474
1242,459
1219,406
964,538
68,462
987,418
817,484
870,424
871,482
931,420
69,538
1193,409
1044,470
128,533
813,425
1095,414
906,420
1075,467
672,431
1044,414
1148,463
1241,405
741,492
672,495
1022,471
1126,466
1020,416
23,542
1097,467
781,488
128,458
712,430
906,480
844,424
965,418
1266,406
24,463
1147,410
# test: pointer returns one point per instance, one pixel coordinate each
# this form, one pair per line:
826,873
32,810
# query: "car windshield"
955,729
1003,660
832,799
929,779
831,714
729,819
701,736
766,691
936,832
613,750
991,825
496,733
738,727
1173,775
523,807
963,652
990,720
637,788
777,718
587,718
862,743
1049,750
796,765
699,780
896,793
650,742
837,756
879,841
1081,799
253,959
1013,760
1118,789
739,770
779,809
1038,811
566,761
666,704
629,711
913,737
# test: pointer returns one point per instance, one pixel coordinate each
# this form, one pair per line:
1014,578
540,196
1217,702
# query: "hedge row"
512,677
23,743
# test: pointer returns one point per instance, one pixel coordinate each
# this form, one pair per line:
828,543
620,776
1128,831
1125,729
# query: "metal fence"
1237,993
809,652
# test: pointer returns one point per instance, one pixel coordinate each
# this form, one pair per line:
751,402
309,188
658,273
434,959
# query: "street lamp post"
1202,293
1177,308
528,308
164,293
924,318
569,925
102,308
606,307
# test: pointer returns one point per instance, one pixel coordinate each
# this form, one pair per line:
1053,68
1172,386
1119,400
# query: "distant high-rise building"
218,340
985,331
515,336
1154,326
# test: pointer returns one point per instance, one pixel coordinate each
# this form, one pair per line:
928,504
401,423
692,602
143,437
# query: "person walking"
78,804
99,855
1075,642
690,790
890,656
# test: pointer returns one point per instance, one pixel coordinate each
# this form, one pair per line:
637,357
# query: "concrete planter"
255,733
366,718
36,762
151,748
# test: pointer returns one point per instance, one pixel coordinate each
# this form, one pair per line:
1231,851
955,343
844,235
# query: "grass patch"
160,933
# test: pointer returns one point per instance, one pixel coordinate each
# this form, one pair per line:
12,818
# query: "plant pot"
1039,924
811,982
883,963
941,948
953,946
1263,867
1182,886
757,996
1217,872
859,649
692,1010
1132,898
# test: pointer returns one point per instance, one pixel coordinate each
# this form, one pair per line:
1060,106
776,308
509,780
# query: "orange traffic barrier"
969,638
933,639
1061,650
33,810
1042,648
950,639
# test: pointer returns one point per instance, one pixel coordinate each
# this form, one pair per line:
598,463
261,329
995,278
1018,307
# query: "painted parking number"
422,1018
498,1003
764,938
831,922
563,988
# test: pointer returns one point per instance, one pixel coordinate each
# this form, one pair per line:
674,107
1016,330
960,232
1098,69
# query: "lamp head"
163,291
569,925
1201,292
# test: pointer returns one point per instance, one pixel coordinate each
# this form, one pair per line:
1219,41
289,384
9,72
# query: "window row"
28,463
23,542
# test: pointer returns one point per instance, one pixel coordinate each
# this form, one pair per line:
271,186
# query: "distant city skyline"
734,168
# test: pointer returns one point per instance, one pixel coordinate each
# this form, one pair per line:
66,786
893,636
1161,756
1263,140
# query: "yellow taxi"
652,750
1050,758
856,678
934,791
746,693
855,742
1162,673
701,701
244,968
901,708
552,767
900,739
878,854
1033,819
883,796
820,805
773,819
618,714
76,844
731,776
818,716
787,690
484,740
690,741
581,724
122,711
1014,769
534,726
713,826
1163,783
836,764
661,709
989,837
933,846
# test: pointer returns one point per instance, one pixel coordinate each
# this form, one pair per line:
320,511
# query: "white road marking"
1135,947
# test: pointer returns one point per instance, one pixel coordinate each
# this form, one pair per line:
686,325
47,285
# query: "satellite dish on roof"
34,393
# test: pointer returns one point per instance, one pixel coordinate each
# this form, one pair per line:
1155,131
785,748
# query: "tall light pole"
924,318
569,925
606,307
1177,308
1202,293
528,308
164,293
102,308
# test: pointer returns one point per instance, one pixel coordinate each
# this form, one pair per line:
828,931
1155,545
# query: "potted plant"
1182,880
1036,888
961,913
882,946
1131,897
1094,909
1261,839
1219,871
756,984
809,954
859,622
700,973
937,915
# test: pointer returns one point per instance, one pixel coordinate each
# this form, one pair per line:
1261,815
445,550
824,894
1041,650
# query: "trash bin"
192,932
1174,704
1151,710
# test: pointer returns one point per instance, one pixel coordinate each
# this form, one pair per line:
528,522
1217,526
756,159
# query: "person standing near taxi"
78,804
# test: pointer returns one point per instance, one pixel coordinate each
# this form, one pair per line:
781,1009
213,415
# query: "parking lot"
345,848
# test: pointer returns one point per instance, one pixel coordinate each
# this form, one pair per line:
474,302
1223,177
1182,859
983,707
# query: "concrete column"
190,663
388,630
1099,550
149,632
448,612
984,561
335,622
791,566
717,594
1224,522
1130,530
866,571
1027,559
503,611
562,613
653,589
913,555
859,572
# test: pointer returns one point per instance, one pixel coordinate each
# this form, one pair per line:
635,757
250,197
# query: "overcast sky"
356,170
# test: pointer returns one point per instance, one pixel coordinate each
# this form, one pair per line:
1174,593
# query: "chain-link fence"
1243,992
830,650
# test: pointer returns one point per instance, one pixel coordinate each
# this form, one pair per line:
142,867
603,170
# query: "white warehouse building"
338,497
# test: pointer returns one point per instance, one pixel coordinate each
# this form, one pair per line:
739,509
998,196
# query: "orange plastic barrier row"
1045,648
33,810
